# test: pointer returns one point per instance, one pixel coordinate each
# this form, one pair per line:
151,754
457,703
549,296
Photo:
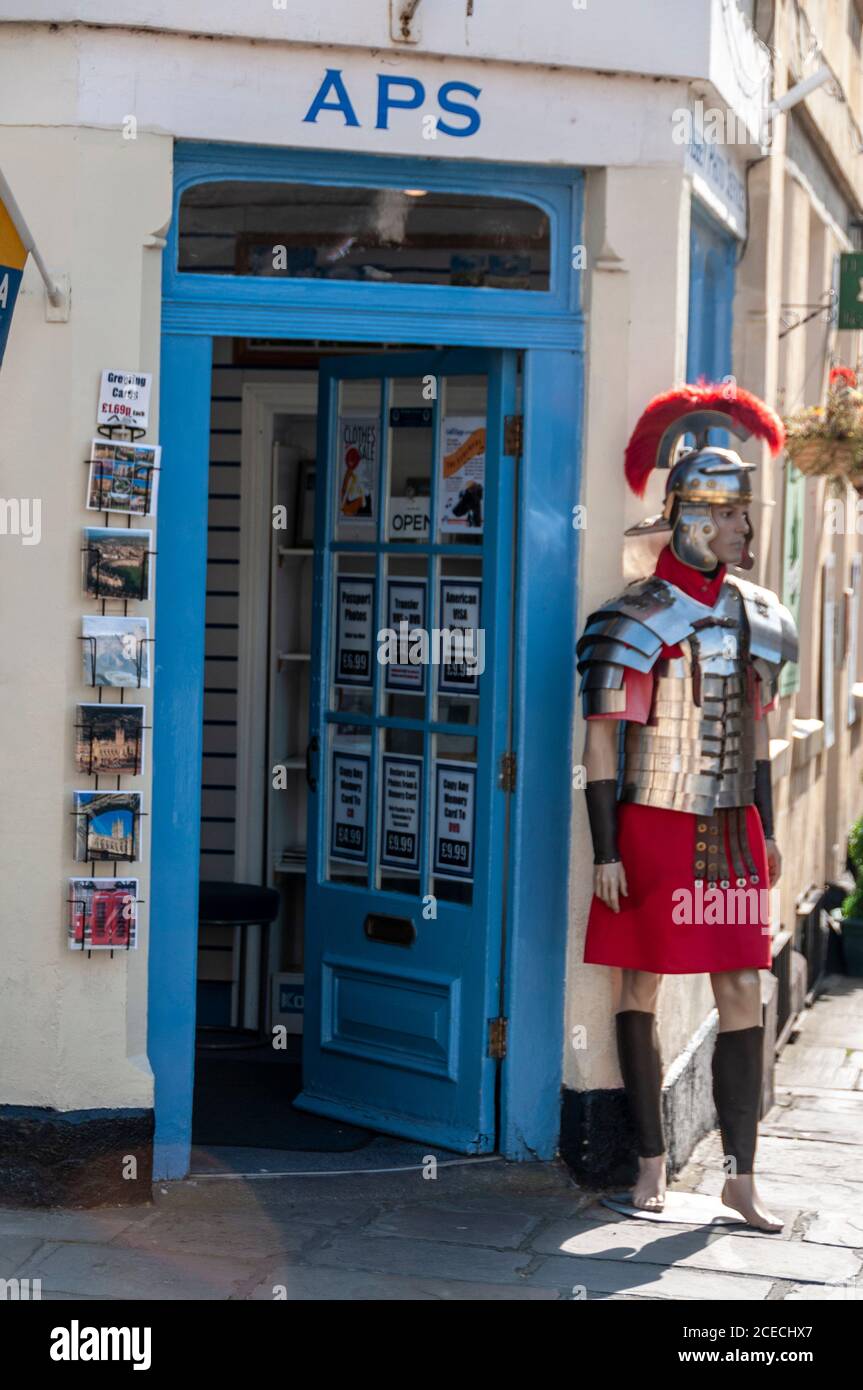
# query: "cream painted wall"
638,302
72,1029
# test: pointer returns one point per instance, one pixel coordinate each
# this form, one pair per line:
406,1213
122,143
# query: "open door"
406,760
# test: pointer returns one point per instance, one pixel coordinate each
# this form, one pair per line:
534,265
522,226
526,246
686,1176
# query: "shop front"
366,292
411,813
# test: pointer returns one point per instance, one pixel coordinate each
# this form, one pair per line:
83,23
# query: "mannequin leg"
641,1068
737,1083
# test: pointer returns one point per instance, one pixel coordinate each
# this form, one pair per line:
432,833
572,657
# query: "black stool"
241,905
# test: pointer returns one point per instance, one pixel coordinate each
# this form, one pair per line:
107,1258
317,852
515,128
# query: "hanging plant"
827,440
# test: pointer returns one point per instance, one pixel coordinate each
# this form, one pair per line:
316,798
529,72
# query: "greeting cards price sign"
355,616
455,820
350,807
124,399
400,822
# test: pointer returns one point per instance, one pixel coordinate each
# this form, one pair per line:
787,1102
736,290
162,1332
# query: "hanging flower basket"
827,441
820,455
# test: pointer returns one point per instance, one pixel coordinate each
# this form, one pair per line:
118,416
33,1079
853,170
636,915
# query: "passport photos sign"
13,254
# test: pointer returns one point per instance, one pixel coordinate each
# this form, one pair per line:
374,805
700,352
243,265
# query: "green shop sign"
851,289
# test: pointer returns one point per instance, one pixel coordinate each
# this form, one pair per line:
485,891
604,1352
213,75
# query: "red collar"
694,582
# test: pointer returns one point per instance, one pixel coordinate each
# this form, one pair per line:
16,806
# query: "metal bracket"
58,310
405,26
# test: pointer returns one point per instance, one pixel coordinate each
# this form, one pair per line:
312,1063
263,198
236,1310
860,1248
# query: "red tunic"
667,924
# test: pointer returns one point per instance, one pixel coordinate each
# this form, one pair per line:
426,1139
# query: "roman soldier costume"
688,659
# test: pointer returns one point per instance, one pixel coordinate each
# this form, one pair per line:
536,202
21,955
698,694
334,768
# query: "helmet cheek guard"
692,530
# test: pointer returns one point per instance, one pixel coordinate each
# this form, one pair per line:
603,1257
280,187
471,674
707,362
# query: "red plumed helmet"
664,421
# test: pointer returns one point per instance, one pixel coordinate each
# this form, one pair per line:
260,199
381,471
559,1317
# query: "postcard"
107,826
116,651
110,739
116,562
123,477
103,914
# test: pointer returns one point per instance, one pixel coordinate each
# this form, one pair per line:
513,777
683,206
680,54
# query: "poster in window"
406,603
400,819
460,628
358,451
455,820
355,621
350,807
462,474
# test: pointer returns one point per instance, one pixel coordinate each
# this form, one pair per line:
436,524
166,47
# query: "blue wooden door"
407,811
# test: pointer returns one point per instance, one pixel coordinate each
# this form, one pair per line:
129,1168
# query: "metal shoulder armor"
628,633
772,632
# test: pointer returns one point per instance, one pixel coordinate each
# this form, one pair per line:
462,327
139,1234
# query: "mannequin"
678,673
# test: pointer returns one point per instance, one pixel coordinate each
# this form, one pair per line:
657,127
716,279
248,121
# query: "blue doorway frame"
547,328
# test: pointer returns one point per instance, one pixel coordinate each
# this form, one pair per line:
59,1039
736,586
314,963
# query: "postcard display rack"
102,910
292,560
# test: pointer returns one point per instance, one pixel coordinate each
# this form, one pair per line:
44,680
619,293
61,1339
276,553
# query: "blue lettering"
332,83
386,103
457,108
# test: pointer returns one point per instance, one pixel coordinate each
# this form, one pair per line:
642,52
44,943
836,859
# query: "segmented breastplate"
697,751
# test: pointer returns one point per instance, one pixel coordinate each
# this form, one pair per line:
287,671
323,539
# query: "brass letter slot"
396,931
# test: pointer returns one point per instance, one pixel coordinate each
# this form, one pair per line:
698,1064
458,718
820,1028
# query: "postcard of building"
116,562
103,914
115,650
107,826
123,477
110,739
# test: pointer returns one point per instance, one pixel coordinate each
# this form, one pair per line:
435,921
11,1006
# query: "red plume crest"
741,406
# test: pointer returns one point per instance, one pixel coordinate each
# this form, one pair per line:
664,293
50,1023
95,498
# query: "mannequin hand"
774,861
609,881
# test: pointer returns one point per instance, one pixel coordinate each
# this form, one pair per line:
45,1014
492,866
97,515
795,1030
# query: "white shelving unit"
290,635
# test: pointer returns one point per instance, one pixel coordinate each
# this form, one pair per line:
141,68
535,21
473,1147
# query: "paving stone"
828,1228
97,1224
391,1254
568,1273
822,1098
801,1158
104,1271
235,1234
14,1251
829,1066
501,1229
834,1127
806,1194
303,1283
811,1293
685,1247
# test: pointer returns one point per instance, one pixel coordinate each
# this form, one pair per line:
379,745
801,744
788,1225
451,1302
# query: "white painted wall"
675,38
260,94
